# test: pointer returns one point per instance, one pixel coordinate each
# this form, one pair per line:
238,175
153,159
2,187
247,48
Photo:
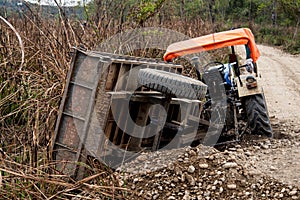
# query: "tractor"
234,100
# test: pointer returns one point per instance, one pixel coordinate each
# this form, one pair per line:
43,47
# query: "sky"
67,3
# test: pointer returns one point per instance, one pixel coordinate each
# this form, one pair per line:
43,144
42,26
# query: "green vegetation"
274,22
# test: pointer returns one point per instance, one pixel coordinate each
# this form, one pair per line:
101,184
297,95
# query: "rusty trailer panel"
102,98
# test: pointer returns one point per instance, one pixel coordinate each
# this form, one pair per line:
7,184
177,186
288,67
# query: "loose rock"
230,165
203,166
191,169
231,186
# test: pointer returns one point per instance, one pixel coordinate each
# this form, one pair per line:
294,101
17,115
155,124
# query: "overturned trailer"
105,113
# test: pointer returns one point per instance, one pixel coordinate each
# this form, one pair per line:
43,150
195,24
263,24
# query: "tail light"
251,82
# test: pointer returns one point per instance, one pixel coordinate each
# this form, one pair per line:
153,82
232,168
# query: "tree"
289,12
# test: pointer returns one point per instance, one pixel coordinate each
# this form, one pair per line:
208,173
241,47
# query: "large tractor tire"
257,114
171,83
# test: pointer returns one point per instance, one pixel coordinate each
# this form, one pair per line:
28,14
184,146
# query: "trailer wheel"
257,114
171,83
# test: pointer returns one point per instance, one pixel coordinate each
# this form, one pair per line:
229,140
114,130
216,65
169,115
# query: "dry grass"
30,92
31,86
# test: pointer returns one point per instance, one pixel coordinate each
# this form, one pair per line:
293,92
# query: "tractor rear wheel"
257,114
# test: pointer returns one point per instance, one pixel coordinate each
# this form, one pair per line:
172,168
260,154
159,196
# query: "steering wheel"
214,63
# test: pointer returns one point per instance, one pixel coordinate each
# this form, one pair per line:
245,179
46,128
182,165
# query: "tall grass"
29,99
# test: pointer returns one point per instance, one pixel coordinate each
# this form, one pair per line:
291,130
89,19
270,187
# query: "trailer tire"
257,114
171,83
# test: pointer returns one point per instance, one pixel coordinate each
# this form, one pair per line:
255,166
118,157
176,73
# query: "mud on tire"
171,83
257,114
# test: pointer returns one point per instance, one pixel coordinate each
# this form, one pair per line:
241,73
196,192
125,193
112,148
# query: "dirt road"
281,76
281,81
